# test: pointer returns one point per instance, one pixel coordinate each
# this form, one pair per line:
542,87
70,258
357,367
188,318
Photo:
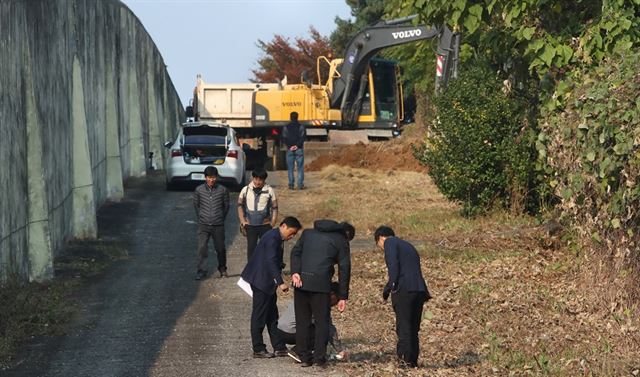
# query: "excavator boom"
349,87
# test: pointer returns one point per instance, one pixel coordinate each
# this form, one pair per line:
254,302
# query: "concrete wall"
84,97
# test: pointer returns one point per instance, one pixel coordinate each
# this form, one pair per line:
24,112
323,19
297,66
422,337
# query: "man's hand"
297,281
342,305
293,148
284,288
244,222
385,293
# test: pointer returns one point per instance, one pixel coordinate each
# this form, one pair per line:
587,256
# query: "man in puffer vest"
257,209
211,202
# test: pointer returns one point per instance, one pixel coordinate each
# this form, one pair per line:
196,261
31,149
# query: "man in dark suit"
264,273
408,292
312,266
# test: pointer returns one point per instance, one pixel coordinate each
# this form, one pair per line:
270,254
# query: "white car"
202,144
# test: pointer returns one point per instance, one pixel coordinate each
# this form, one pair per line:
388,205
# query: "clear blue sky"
217,38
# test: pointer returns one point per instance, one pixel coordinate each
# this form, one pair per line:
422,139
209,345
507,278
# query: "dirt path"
147,315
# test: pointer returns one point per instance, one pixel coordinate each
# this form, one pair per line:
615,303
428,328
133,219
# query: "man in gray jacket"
312,266
211,201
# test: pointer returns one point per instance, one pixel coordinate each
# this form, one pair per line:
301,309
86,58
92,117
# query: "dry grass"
508,300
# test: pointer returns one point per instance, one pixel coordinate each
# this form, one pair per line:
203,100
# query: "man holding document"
264,273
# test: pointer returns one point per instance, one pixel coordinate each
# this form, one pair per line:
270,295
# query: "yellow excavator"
360,91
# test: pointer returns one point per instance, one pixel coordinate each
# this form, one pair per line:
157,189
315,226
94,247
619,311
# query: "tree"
365,13
537,46
537,40
478,152
281,58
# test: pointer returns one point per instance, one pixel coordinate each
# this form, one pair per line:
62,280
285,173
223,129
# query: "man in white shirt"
257,209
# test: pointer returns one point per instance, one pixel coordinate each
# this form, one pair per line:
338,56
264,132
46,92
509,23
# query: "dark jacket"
294,134
403,264
264,269
211,204
316,253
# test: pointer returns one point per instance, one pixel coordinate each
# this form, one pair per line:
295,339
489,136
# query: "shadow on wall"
88,97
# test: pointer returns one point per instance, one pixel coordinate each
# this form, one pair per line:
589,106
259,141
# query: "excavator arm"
349,88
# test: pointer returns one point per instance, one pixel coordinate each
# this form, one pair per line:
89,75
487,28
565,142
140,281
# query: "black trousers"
264,312
290,338
408,308
205,232
254,233
314,305
287,337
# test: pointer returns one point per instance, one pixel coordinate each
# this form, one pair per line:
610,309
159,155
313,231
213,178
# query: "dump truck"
232,104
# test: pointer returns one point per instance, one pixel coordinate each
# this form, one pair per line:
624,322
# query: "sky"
217,38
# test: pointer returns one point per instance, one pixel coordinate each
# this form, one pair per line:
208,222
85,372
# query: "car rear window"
204,139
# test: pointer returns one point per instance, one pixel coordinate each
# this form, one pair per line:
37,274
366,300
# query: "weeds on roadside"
44,309
32,310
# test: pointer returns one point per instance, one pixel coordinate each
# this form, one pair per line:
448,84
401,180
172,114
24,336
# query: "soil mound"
388,155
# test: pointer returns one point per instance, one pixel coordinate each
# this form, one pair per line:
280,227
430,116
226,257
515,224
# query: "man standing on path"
293,136
312,267
264,272
257,209
408,292
211,201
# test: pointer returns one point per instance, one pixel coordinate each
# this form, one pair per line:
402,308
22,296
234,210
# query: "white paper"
246,287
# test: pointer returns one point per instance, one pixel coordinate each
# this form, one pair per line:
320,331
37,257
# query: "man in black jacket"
211,201
408,292
293,136
312,266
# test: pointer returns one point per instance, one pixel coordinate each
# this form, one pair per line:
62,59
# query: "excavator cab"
381,104
387,90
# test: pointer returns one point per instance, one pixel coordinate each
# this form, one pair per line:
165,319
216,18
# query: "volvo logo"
406,34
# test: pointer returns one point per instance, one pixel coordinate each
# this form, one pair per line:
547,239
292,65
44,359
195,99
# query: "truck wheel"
243,182
279,159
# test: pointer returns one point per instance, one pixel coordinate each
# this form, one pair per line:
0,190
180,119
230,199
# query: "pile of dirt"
388,155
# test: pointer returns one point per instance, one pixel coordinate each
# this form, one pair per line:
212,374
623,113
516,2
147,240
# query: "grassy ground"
35,309
508,298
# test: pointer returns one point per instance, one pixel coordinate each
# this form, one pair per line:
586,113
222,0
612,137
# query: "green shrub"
589,152
478,148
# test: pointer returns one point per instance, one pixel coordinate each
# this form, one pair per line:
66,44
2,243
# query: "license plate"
197,176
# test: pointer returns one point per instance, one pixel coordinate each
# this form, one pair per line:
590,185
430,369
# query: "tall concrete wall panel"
69,141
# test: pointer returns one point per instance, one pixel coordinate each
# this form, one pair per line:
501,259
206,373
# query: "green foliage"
589,152
478,150
532,39
365,13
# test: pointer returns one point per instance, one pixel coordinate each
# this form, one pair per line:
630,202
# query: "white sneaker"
294,356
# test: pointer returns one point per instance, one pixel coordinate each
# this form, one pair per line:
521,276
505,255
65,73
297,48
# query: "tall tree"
283,58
